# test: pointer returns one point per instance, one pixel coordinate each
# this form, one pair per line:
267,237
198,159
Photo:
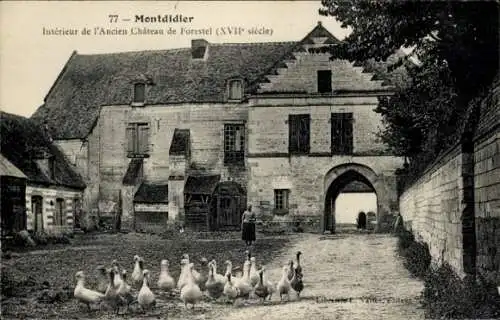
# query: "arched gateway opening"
349,190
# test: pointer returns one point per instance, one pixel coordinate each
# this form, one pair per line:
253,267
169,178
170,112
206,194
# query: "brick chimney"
199,48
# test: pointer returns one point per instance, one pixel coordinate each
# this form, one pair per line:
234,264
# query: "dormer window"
139,93
324,81
235,88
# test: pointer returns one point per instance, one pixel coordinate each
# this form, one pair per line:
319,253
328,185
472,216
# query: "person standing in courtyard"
248,226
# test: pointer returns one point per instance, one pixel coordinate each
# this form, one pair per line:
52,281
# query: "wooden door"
61,216
229,203
37,209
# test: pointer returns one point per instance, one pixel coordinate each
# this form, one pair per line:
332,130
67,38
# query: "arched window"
235,89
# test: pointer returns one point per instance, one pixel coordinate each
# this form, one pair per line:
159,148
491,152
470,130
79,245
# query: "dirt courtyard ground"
346,276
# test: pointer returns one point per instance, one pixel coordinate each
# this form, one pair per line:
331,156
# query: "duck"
146,297
202,280
182,277
243,283
296,283
290,270
83,294
102,279
190,292
230,290
284,284
111,296
214,286
298,267
254,275
137,273
124,290
261,290
116,271
165,280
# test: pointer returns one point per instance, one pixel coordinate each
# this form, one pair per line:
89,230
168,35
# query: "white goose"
165,280
230,290
111,296
243,283
190,292
254,275
196,274
271,287
102,279
124,290
218,277
116,270
84,295
137,274
284,284
215,287
146,297
181,282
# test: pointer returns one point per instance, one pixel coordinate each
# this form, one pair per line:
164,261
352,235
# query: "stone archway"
337,179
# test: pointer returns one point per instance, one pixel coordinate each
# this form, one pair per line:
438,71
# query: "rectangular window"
235,90
324,81
342,133
137,139
299,133
234,143
52,167
76,212
139,92
281,199
59,214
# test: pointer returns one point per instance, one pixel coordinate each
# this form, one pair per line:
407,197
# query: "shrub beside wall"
445,295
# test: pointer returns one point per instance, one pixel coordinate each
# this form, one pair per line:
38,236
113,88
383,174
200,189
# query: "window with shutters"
342,133
137,140
235,88
234,143
139,93
299,133
324,81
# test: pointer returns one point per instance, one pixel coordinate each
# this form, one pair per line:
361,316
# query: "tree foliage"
457,44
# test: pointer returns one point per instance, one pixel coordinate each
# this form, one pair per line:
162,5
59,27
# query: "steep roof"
7,169
152,193
88,82
22,139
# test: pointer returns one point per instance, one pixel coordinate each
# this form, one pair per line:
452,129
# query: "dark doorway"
227,205
361,220
333,192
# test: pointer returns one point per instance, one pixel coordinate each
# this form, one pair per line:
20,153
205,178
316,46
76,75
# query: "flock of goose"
114,290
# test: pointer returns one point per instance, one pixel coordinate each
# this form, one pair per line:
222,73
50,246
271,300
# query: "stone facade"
270,96
71,204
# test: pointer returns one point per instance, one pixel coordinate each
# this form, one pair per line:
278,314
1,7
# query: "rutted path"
346,277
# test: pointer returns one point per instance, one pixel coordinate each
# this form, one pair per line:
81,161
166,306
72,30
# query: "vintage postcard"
334,159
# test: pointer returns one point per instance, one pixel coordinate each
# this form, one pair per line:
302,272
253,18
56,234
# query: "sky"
31,61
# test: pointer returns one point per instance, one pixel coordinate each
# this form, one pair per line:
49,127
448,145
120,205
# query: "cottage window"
37,211
76,213
139,92
137,140
299,133
59,214
281,199
342,133
234,143
324,81
235,90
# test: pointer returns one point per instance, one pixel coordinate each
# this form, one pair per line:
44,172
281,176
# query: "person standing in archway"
248,226
361,220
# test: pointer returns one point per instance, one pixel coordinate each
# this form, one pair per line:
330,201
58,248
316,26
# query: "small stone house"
212,128
49,198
